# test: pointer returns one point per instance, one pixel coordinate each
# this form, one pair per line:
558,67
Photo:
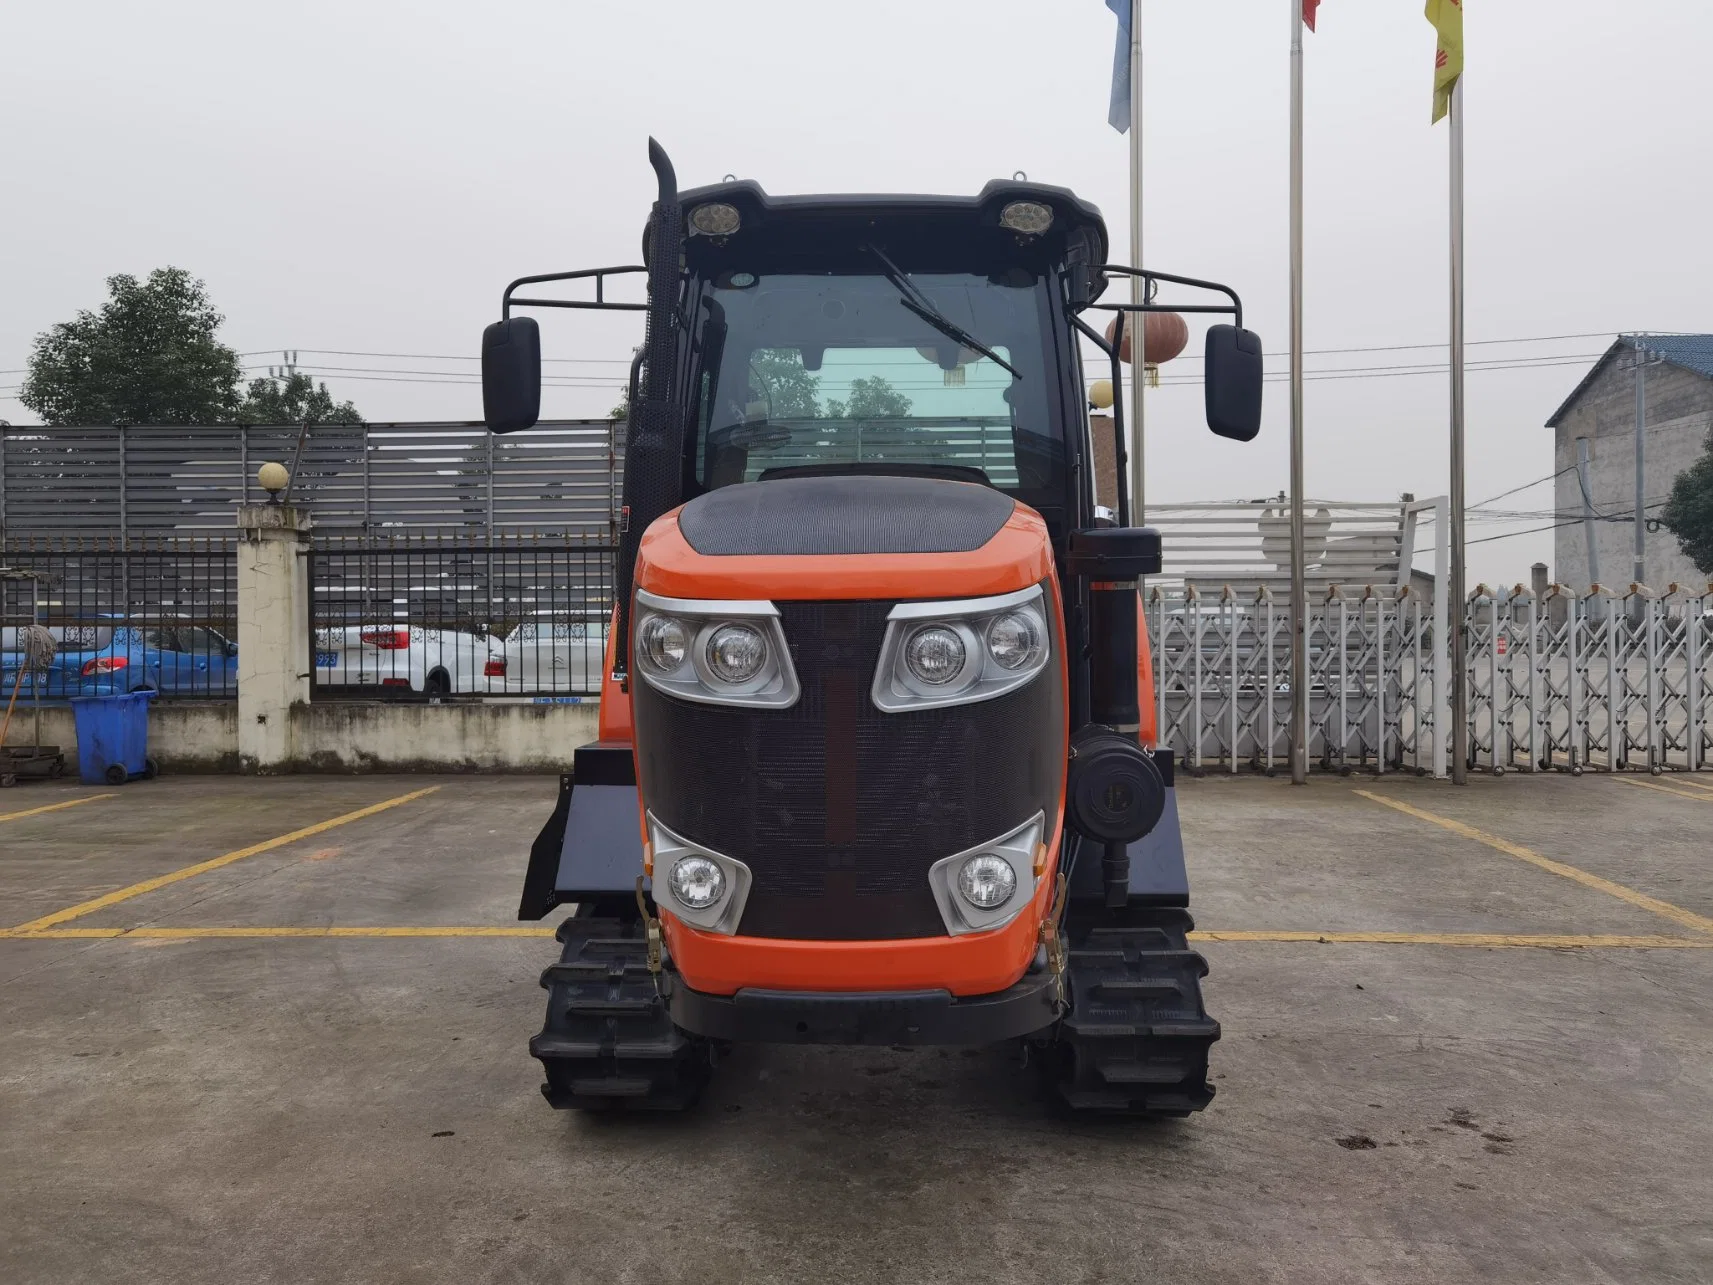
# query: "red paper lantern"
1164,335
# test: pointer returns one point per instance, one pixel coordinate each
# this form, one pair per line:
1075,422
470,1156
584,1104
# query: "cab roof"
1076,222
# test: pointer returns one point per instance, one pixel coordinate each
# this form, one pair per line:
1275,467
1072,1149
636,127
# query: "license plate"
326,660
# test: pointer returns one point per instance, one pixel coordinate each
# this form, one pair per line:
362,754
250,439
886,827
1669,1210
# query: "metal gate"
1562,681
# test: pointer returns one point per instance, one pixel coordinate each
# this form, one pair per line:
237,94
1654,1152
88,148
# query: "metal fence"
1563,681
521,616
1247,547
561,476
125,615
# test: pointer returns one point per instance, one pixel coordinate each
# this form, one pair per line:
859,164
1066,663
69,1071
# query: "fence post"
1442,624
1693,624
1656,749
1614,746
1228,605
1534,596
1193,603
273,631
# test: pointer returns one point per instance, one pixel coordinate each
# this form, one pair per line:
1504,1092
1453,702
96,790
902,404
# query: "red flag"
1308,13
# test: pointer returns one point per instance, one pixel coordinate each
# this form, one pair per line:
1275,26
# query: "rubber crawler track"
1134,1043
1137,1037
608,1044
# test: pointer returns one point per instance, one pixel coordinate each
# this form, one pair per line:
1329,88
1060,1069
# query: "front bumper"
915,1017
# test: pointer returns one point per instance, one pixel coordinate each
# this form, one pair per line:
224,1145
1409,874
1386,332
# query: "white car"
403,657
553,656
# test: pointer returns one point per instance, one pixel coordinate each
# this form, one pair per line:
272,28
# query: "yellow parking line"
52,807
194,934
1664,789
203,867
1500,941
1544,941
1677,914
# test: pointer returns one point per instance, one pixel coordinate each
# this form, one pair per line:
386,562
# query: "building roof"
1692,352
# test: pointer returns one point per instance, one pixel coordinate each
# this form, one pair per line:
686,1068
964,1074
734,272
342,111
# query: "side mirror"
1103,553
1232,374
511,374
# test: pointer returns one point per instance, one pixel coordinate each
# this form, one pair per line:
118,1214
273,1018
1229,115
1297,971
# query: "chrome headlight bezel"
897,690
667,848
774,686
1018,849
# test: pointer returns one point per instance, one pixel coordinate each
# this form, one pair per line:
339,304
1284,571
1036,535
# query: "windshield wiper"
923,307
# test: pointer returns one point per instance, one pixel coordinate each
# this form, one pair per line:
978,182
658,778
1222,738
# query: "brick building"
1678,377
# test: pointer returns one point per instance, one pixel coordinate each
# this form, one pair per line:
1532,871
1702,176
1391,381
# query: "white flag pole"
1459,588
1134,324
1299,587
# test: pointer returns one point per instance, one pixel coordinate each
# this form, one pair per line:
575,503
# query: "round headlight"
697,882
987,880
736,653
662,643
1029,217
935,654
715,220
1013,640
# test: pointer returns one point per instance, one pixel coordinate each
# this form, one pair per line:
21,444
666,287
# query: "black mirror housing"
1232,374
511,374
1113,553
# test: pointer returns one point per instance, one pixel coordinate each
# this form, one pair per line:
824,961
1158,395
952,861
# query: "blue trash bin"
112,737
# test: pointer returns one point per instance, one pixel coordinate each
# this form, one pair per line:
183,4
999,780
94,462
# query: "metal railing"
1566,681
125,615
561,476
434,617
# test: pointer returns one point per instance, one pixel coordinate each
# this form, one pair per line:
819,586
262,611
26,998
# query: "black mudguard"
1157,874
591,847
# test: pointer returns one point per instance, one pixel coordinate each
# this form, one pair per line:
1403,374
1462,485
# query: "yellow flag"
1447,19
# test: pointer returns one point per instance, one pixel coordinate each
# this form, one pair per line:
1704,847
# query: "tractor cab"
872,764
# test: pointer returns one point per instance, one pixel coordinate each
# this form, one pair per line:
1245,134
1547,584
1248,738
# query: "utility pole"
1588,528
1640,576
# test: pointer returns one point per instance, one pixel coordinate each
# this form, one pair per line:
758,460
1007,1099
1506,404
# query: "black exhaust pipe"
654,430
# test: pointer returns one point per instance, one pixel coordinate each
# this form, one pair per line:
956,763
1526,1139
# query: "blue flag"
1118,114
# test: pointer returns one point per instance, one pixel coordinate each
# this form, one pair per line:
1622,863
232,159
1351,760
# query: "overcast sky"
365,177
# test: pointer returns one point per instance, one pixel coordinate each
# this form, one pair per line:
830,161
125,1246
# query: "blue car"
127,656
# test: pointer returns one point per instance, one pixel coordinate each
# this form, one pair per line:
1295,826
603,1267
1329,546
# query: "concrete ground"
1497,1066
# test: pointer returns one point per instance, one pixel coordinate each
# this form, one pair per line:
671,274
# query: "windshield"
833,371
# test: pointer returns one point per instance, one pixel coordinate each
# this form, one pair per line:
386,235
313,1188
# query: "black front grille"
838,808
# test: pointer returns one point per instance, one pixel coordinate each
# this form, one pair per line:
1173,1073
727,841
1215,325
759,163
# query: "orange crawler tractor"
873,763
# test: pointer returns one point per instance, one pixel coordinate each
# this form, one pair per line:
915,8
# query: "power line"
1471,343
429,356
625,361
1551,477
1384,373
1571,521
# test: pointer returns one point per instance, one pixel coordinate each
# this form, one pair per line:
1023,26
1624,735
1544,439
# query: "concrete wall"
380,736
353,736
186,736
1679,417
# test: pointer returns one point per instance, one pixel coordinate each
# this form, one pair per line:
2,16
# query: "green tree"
779,378
297,399
871,398
149,356
1688,513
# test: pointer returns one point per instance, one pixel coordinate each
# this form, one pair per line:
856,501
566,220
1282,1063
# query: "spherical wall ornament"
273,478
